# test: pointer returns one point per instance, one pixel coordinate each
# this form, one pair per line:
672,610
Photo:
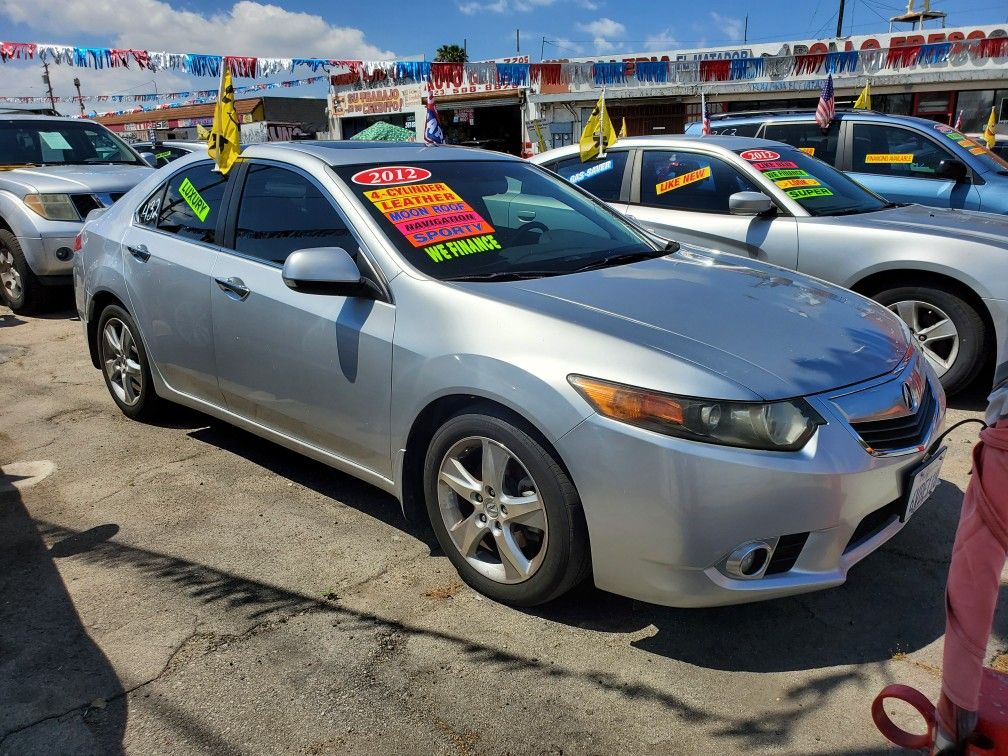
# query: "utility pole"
80,97
542,50
518,41
465,50
745,29
839,21
45,80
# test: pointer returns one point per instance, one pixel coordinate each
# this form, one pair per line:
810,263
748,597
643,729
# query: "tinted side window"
603,178
151,208
687,181
738,129
282,211
807,137
893,151
191,204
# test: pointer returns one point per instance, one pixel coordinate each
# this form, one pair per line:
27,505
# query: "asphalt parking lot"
189,588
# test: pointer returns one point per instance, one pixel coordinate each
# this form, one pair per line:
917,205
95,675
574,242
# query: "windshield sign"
978,149
492,219
57,142
816,186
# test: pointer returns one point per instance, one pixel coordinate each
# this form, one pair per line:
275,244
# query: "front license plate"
923,482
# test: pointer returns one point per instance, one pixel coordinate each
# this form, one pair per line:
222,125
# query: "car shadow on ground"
59,691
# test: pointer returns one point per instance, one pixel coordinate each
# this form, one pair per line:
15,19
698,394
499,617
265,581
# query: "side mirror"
325,270
952,169
750,203
150,158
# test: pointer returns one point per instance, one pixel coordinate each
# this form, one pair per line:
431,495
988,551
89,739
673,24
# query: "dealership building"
931,73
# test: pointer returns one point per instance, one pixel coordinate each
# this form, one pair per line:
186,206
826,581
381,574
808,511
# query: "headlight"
53,206
774,426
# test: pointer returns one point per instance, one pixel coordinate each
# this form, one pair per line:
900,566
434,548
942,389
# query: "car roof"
677,141
805,115
351,152
41,117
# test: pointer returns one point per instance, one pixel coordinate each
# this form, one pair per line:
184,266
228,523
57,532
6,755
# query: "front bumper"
41,251
664,514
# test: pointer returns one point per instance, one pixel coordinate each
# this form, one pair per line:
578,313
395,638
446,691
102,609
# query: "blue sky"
376,30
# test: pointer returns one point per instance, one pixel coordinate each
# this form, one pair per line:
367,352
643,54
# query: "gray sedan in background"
944,272
558,391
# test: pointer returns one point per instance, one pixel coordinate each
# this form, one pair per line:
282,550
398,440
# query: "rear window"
807,137
735,129
464,218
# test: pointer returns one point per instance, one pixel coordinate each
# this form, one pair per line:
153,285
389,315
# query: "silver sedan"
558,391
944,272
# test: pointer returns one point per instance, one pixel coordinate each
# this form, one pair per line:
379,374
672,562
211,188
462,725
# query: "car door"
683,194
901,164
314,367
168,252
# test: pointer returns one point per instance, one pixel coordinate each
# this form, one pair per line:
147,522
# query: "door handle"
526,215
139,252
234,286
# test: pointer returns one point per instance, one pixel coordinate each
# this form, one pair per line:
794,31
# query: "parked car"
55,171
559,391
945,272
901,158
165,152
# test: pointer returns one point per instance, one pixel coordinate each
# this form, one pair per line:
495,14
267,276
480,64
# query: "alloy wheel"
10,279
122,361
936,334
492,510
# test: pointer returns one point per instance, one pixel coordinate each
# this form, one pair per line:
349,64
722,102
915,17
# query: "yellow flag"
598,123
864,99
202,132
224,142
990,132
622,129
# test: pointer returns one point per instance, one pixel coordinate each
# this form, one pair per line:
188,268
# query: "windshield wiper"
506,275
628,257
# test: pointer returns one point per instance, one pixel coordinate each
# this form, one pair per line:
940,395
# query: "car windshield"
976,146
57,142
818,187
492,219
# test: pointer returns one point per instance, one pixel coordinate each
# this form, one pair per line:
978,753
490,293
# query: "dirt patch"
444,593
1000,662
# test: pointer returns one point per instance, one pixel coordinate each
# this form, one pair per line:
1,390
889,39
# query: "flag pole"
703,112
601,132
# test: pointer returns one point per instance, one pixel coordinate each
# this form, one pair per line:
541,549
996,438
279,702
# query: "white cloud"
472,9
562,47
604,31
730,27
663,40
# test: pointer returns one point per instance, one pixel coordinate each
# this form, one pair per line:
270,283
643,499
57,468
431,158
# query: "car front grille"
85,203
874,523
788,549
901,432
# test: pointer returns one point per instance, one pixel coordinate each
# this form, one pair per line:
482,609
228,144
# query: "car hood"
777,333
75,179
963,225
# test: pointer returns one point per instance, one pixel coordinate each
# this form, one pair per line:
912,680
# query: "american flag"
827,104
958,123
706,118
432,126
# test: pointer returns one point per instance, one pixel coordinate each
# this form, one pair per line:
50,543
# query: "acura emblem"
910,397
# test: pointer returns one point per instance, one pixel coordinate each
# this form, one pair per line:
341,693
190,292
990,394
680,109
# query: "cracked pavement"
190,588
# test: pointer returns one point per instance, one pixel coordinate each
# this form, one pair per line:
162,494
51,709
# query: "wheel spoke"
467,534
110,368
460,480
126,339
943,329
127,384
495,459
939,363
112,338
133,369
524,510
516,566
908,313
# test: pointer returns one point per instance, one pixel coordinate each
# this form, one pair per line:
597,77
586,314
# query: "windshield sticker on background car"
390,176
164,155
680,181
786,174
815,191
978,150
775,165
810,151
54,140
889,158
968,143
192,197
427,214
588,173
759,155
798,182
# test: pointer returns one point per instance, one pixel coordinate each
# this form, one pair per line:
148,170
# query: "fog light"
64,253
749,561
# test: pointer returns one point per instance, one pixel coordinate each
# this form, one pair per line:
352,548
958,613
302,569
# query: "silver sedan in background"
559,392
944,272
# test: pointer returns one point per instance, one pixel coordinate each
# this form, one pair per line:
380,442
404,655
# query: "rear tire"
518,534
125,365
948,330
20,289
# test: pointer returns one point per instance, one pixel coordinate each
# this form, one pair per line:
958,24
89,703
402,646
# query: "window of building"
975,106
282,211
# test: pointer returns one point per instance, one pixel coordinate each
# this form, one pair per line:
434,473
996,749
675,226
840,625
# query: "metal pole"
745,29
80,97
45,78
839,21
542,50
518,41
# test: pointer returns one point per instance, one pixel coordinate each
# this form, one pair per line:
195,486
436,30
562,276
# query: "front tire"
503,509
125,365
20,289
949,331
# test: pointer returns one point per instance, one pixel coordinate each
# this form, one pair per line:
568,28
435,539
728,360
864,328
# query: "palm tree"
451,54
